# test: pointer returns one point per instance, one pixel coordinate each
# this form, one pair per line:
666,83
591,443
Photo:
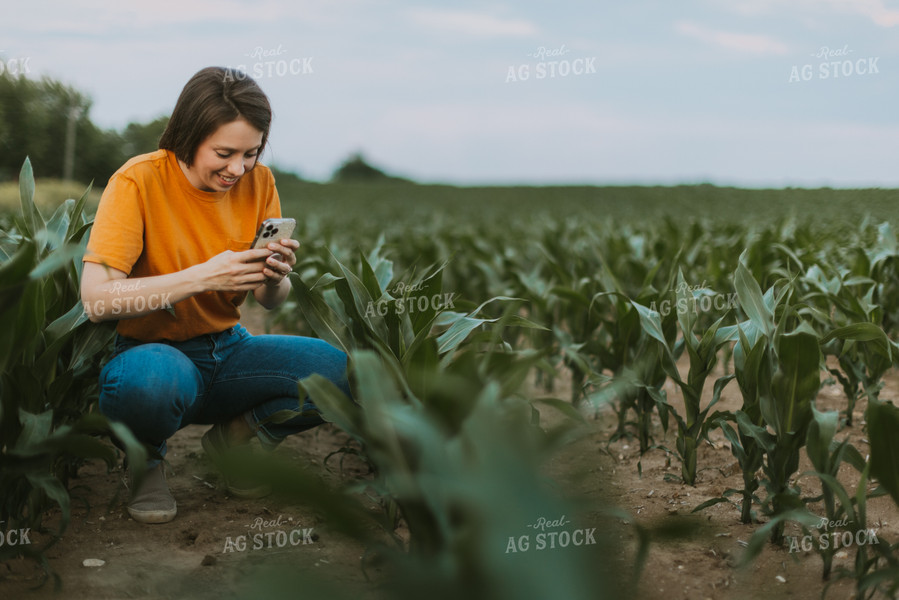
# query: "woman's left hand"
279,264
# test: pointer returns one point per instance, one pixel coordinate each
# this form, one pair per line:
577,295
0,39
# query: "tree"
34,122
140,138
355,168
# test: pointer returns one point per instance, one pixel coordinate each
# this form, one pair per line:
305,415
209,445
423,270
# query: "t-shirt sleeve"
117,235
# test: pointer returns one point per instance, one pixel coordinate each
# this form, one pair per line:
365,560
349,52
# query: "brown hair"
213,97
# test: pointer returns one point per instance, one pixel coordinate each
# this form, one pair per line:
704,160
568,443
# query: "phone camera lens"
275,231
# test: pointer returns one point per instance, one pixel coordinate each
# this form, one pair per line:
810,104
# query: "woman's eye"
220,155
254,155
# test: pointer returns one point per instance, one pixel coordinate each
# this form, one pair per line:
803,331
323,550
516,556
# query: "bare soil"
190,557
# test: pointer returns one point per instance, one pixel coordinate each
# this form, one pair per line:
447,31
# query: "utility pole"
68,163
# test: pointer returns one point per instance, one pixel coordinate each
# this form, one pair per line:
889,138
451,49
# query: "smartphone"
273,230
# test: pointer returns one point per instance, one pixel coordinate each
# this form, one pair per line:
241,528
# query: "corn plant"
826,456
785,400
631,357
883,258
752,367
883,422
843,309
875,567
703,353
50,356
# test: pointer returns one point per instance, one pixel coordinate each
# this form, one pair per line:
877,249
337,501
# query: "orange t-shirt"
152,221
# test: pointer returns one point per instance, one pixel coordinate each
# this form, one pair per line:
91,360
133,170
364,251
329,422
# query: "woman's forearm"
108,295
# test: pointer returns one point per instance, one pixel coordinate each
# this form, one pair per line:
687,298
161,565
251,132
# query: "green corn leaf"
76,216
458,331
820,434
431,288
714,501
859,332
57,259
325,280
335,407
883,425
56,492
651,322
852,456
136,451
751,299
761,535
319,315
369,279
32,219
795,383
736,446
573,296
14,271
686,318
35,428
759,434
89,342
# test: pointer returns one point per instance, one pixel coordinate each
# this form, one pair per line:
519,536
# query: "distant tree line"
49,122
40,118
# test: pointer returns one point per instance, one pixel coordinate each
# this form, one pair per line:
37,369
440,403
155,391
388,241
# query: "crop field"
558,392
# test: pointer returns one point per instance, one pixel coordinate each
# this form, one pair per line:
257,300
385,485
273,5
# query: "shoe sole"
152,516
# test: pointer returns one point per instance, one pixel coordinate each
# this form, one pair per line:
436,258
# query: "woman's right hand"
234,271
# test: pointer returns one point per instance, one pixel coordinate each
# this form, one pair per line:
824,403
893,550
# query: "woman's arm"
277,285
109,294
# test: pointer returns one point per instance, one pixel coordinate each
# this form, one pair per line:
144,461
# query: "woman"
169,258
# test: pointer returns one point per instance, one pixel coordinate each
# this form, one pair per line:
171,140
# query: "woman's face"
223,157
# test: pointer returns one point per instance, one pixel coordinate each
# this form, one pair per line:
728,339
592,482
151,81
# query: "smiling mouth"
228,180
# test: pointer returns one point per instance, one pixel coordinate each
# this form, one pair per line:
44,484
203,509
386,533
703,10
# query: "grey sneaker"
215,443
152,502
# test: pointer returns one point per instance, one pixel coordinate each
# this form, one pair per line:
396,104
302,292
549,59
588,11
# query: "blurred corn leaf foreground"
50,356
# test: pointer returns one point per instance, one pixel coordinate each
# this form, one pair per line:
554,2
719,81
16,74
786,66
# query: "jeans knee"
333,365
148,384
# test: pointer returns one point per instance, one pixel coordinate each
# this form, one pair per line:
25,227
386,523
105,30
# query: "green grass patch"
48,195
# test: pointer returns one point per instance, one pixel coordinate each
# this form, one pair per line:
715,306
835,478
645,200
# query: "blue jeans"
156,388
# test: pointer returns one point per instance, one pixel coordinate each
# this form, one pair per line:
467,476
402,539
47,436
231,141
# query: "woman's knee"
147,378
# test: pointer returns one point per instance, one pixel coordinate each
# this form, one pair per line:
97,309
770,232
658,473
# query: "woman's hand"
276,268
234,271
281,262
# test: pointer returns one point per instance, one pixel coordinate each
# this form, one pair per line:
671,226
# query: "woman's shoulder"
262,173
258,180
143,165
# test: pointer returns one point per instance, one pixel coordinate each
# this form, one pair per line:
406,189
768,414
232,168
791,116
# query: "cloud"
741,42
85,18
471,23
875,10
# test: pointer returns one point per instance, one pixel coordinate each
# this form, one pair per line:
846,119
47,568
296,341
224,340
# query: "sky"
753,93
